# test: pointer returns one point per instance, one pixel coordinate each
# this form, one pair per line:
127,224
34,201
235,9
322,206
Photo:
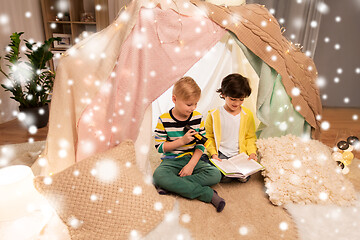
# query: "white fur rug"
330,222
302,171
314,222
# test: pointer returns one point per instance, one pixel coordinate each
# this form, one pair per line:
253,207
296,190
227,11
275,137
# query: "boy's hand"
187,170
253,156
188,137
216,157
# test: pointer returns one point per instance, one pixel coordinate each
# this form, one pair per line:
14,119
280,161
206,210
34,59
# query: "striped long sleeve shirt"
169,129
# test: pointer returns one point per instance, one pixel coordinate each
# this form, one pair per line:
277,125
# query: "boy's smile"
233,105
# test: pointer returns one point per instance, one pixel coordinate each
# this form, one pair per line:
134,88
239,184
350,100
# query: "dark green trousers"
196,185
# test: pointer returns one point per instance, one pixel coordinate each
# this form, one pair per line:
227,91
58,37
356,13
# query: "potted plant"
30,82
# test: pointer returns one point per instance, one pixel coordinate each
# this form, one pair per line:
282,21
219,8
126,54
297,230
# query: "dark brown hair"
235,86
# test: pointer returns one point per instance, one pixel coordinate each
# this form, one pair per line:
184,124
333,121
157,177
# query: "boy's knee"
156,176
159,177
215,174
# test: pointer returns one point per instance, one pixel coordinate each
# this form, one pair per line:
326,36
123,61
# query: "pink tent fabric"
156,54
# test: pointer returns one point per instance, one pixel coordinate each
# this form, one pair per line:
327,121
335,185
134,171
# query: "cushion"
105,196
302,171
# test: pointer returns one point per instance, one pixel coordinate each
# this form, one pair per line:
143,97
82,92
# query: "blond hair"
186,88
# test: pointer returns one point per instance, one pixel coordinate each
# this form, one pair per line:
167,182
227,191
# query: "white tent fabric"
224,58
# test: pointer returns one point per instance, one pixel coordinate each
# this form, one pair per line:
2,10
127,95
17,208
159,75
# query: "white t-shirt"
230,126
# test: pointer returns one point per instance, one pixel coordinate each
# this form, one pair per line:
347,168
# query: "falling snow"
323,196
76,173
74,222
137,190
28,14
313,24
325,125
4,19
107,170
297,164
186,218
134,235
98,7
158,206
48,180
93,197
283,226
295,91
243,230
323,8
321,82
180,237
33,129
42,162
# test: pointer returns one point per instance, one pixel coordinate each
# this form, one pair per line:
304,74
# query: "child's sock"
218,202
162,191
244,180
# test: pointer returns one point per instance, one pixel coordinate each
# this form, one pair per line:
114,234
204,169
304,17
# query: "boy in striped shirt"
181,171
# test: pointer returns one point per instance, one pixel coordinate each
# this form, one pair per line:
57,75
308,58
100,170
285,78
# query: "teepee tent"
106,83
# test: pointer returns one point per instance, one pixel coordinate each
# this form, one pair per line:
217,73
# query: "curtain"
17,16
300,19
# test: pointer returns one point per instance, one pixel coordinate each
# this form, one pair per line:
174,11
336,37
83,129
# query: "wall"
346,33
328,60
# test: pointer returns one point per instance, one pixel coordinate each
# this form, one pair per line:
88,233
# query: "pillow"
302,171
105,196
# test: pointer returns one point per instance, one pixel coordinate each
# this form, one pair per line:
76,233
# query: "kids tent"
105,83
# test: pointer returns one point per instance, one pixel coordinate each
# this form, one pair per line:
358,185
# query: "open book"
238,166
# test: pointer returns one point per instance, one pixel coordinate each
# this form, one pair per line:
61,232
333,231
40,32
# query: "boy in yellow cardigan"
231,128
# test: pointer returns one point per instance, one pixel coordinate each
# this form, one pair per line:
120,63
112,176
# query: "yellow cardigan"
247,135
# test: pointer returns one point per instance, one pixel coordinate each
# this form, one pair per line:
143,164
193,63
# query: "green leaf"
26,78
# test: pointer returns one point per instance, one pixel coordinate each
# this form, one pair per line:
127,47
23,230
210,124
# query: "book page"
225,165
245,166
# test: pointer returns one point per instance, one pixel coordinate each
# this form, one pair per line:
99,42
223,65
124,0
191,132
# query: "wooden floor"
13,132
342,125
340,119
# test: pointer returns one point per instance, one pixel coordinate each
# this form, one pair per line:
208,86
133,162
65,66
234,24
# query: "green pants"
193,186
